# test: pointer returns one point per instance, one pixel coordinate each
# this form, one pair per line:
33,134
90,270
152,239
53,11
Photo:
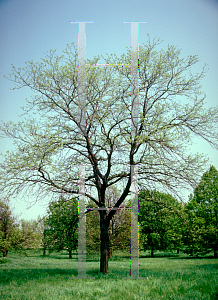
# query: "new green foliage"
61,226
119,228
202,234
49,149
9,231
14,234
31,235
160,219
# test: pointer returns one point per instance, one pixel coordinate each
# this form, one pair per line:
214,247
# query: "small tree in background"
30,237
61,225
160,221
119,228
93,231
120,224
9,230
42,227
201,237
120,231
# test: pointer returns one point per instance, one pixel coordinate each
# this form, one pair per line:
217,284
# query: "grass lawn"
171,276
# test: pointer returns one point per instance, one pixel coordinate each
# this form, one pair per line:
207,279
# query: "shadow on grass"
47,274
53,276
193,257
214,296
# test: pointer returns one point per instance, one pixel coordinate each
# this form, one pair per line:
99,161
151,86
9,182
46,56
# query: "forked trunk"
104,243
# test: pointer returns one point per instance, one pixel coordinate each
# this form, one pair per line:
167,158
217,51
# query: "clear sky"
29,28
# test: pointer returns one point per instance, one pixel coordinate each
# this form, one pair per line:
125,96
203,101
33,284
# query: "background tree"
9,229
31,236
49,151
120,232
202,209
160,219
61,230
42,227
119,228
93,232
120,224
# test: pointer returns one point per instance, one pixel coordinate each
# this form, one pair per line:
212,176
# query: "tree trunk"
44,251
5,253
152,252
177,251
70,253
104,243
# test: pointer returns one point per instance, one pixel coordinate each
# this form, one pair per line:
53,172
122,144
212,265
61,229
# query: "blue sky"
29,28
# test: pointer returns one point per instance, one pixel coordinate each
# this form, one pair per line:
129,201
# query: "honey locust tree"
49,149
119,227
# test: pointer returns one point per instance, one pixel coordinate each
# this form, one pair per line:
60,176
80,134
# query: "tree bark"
70,253
104,243
177,251
152,252
5,253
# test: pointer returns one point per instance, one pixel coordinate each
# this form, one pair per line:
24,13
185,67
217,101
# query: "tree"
41,225
160,217
9,229
120,232
61,230
93,241
31,236
203,216
49,151
119,227
120,224
14,234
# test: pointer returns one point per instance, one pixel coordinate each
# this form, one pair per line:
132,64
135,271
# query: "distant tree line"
165,224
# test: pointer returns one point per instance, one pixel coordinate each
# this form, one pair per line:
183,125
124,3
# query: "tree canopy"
202,209
160,219
61,226
50,149
16,234
9,231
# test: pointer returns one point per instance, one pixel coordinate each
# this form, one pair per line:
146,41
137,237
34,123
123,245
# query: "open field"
173,276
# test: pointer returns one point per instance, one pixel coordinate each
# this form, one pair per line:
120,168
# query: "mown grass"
170,276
